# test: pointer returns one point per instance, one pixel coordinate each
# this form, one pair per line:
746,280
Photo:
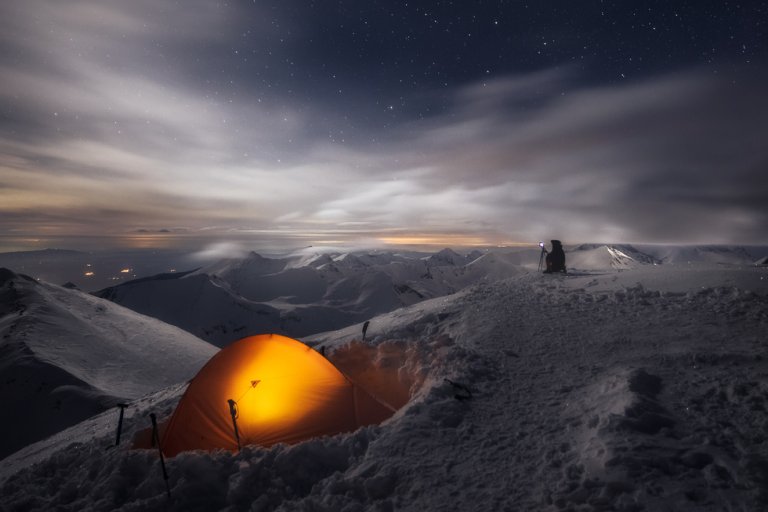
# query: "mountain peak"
6,275
447,257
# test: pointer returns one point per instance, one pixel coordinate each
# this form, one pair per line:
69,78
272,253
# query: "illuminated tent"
274,390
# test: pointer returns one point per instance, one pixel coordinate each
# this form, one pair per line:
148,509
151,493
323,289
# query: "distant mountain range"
623,256
302,295
315,292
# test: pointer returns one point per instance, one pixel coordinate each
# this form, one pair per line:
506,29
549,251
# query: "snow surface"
66,355
642,388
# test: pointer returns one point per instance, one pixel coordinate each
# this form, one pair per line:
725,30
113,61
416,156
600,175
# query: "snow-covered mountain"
644,389
599,257
302,295
66,355
625,256
703,254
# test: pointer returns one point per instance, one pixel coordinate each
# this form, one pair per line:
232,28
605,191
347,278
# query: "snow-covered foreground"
638,390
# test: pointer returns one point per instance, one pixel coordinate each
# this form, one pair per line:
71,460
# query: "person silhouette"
555,258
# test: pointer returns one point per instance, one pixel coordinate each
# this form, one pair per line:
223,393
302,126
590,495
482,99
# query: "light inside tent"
277,385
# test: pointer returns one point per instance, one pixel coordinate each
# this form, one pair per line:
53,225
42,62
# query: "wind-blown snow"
639,389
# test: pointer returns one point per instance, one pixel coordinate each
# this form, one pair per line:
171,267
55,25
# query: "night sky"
268,123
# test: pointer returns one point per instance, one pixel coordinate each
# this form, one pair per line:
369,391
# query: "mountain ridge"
53,344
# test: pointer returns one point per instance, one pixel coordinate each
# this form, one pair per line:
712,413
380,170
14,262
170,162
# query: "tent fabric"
285,392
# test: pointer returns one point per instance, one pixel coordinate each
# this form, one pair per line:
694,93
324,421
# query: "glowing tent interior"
280,391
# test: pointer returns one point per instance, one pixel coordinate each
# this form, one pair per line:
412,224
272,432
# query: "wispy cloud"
112,127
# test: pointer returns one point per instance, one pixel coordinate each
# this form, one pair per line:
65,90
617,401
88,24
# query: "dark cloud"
674,157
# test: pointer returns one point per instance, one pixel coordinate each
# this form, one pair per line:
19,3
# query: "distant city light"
88,274
125,271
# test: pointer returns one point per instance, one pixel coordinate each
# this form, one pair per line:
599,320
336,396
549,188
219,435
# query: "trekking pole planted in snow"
541,257
156,439
233,413
120,423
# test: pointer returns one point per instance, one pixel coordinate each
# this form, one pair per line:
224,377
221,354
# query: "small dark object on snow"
464,392
365,328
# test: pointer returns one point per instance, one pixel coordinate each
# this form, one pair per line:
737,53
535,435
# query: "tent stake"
156,438
120,423
233,413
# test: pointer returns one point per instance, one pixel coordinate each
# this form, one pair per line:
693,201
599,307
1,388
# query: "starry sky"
156,123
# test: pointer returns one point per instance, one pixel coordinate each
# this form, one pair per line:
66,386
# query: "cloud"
220,250
678,157
119,117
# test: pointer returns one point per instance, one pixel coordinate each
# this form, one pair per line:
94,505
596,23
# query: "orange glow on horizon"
437,240
163,241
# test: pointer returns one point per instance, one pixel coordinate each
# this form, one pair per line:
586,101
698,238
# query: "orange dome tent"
264,390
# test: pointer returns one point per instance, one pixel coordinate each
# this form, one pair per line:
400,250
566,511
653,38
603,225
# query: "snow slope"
66,355
644,389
